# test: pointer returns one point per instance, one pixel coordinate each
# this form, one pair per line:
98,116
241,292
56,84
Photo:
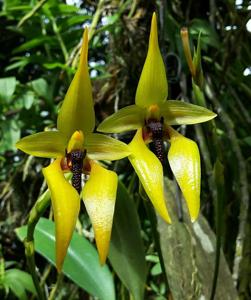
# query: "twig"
31,13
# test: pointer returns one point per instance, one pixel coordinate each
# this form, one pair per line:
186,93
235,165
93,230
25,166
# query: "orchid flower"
76,149
152,116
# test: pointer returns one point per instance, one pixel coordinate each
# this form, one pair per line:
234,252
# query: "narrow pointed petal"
152,87
49,144
77,112
99,196
150,172
102,147
177,113
184,159
66,205
127,118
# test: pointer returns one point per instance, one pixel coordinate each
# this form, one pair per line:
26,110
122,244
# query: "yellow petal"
99,196
150,173
184,159
102,147
77,112
128,118
66,204
152,87
76,141
176,112
43,144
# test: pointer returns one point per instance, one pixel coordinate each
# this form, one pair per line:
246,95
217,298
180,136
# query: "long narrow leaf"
126,251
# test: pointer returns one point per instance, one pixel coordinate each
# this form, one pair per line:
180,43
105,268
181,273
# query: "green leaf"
41,88
11,135
7,88
18,281
22,277
54,65
17,65
27,99
208,34
60,9
69,22
17,289
156,270
81,263
126,250
198,78
34,43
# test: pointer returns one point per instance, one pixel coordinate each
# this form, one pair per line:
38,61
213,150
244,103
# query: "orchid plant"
76,149
152,116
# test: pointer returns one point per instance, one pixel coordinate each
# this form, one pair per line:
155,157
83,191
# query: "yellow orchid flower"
152,116
75,149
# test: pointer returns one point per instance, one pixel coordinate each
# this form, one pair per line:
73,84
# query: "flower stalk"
35,214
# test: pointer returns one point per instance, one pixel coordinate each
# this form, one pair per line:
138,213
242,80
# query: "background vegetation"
39,51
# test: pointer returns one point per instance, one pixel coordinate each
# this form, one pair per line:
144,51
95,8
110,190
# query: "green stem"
35,9
133,8
59,38
36,212
2,267
92,28
218,175
96,18
56,286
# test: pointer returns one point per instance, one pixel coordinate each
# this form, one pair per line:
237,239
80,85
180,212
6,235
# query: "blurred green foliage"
39,51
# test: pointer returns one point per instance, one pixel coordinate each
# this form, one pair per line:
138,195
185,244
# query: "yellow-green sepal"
99,195
152,87
177,113
127,118
77,112
184,160
66,205
50,144
150,173
102,147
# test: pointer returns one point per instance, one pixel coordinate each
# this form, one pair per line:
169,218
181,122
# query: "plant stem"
92,28
59,38
96,18
56,286
31,13
218,175
36,212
